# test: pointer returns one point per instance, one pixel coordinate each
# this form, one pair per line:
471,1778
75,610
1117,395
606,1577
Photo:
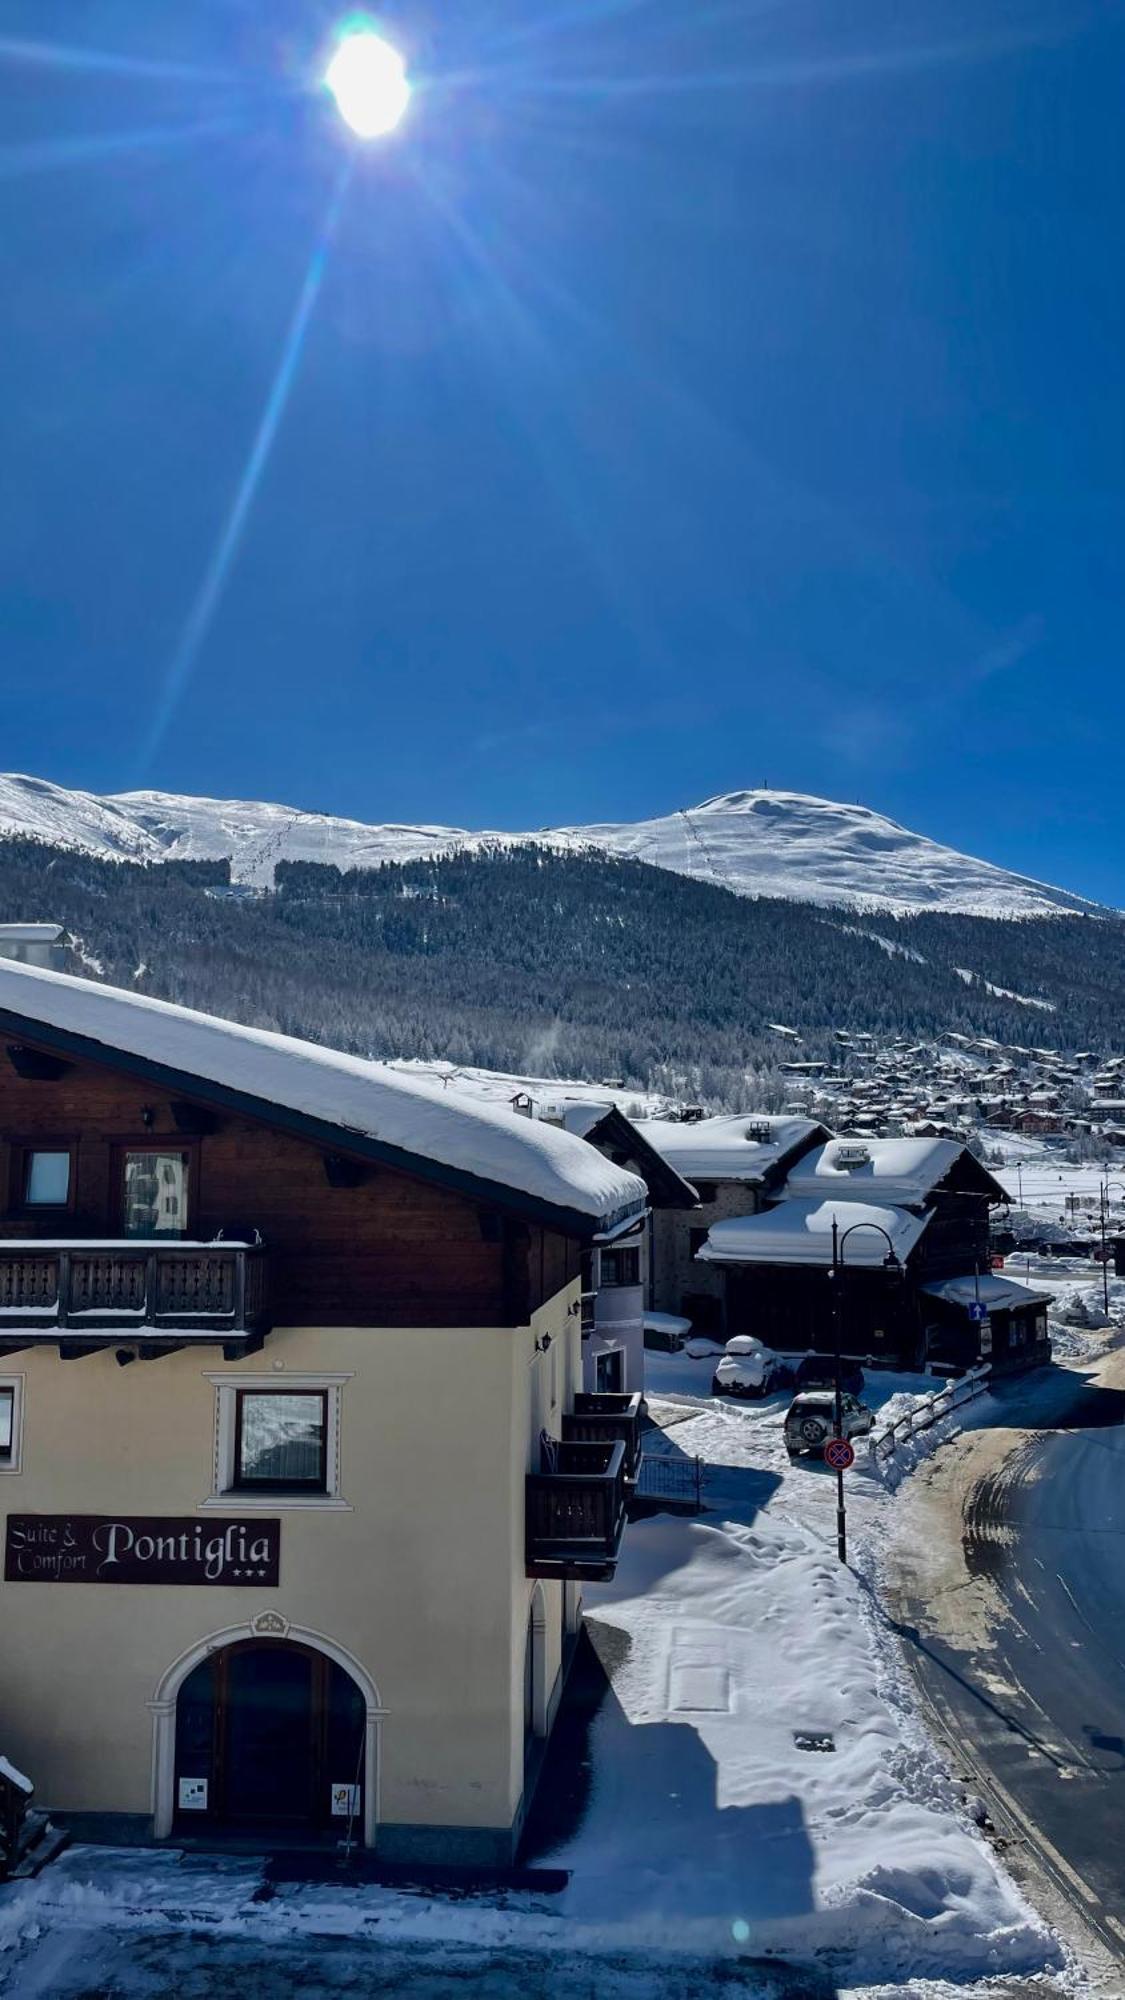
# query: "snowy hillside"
814,851
759,843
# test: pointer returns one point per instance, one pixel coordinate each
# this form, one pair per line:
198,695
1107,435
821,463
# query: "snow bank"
747,1639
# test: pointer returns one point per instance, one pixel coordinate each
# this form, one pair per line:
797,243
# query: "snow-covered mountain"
757,843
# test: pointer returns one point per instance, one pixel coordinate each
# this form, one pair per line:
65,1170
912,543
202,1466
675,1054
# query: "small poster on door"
345,1801
193,1795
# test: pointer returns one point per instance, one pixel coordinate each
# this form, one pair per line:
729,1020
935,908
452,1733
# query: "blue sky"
689,397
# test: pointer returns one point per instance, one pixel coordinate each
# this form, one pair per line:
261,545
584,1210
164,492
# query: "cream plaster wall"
421,1577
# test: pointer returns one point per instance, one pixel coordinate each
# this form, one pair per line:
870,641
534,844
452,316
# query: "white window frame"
15,1462
224,1492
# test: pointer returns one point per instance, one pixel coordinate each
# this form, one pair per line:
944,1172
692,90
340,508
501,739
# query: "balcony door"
154,1190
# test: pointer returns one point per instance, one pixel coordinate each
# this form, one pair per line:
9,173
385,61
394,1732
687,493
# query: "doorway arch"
268,1629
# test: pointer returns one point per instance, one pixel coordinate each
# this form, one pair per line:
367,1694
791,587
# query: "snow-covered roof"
800,1232
489,1150
740,1148
582,1118
903,1171
30,933
998,1294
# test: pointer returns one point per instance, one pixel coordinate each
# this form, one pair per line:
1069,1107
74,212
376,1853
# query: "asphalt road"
1041,1712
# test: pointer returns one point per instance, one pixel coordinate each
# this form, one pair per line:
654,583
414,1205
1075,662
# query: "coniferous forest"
565,964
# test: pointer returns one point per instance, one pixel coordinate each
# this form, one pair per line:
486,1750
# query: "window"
609,1376
277,1441
11,1400
42,1175
155,1192
281,1440
621,1267
707,1191
46,1179
696,1239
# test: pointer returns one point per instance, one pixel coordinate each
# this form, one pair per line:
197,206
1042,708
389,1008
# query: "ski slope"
756,843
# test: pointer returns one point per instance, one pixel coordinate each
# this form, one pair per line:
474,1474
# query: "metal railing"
15,1802
882,1445
671,1480
601,1416
575,1509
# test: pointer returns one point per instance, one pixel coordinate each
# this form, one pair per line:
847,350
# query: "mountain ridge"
790,846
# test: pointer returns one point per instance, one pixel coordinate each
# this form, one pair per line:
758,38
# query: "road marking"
988,1781
1114,1925
1074,1601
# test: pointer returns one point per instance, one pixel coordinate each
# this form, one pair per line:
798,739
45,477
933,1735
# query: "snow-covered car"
811,1420
747,1368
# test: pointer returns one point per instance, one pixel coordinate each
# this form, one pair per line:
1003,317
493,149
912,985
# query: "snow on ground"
712,1838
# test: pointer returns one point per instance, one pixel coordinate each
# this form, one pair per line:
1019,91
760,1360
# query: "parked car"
811,1420
818,1371
748,1369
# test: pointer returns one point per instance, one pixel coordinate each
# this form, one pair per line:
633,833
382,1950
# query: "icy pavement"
763,1797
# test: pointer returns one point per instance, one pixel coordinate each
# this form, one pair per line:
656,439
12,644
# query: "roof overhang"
315,1131
666,1187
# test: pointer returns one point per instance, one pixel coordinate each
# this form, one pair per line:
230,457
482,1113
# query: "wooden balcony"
602,1417
575,1512
156,1295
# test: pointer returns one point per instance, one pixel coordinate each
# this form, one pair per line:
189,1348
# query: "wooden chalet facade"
290,1355
915,1285
733,1165
617,1270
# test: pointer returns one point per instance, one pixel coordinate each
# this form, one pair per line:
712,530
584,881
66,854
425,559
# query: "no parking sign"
839,1455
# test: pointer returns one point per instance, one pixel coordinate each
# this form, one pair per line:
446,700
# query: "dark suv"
811,1420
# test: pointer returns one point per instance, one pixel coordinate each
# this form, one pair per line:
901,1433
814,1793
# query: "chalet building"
36,944
734,1164
912,1228
298,1482
617,1265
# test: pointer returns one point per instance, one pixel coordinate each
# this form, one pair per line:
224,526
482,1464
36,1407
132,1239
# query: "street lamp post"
890,1263
1103,1195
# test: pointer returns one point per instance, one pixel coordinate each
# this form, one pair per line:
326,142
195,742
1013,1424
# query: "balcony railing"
98,1291
601,1417
575,1511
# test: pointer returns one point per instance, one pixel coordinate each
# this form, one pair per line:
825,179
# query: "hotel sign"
104,1548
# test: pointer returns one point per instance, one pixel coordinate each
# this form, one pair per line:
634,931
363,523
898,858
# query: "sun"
367,78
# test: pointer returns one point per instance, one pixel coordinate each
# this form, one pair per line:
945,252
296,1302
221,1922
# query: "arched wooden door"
269,1736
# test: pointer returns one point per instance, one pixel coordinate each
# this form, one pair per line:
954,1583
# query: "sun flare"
367,78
